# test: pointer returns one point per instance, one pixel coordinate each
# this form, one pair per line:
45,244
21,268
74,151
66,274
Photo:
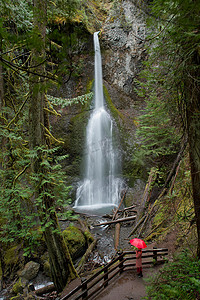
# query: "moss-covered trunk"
193,119
61,265
62,269
193,128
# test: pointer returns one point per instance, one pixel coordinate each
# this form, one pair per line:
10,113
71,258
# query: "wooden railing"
122,262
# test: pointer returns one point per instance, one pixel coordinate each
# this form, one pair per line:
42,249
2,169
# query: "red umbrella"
138,243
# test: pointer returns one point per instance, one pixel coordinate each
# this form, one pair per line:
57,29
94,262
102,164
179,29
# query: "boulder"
76,241
30,270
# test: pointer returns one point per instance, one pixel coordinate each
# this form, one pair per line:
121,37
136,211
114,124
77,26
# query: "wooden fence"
124,261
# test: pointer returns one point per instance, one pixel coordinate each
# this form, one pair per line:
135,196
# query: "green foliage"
67,102
171,49
175,42
17,11
179,279
159,137
63,9
28,200
19,211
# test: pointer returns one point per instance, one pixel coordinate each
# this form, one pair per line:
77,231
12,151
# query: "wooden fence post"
84,288
121,258
155,257
105,277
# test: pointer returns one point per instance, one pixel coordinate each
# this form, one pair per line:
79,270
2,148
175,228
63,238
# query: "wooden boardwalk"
124,262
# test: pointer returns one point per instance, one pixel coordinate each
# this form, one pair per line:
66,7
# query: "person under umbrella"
139,262
140,244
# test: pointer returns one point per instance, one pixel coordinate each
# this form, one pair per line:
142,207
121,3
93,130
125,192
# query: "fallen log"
116,221
137,225
146,195
114,216
129,208
174,179
85,257
117,235
175,165
143,224
45,290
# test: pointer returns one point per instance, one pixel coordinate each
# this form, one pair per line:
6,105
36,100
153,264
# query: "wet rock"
123,40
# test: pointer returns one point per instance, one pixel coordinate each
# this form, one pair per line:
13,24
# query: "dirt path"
127,286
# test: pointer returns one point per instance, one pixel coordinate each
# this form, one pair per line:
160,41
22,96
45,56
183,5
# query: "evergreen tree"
61,264
32,185
174,73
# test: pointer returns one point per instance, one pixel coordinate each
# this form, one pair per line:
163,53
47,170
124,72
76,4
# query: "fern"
67,102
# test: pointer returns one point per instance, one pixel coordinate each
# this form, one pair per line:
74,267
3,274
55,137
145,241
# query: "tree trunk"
194,152
62,268
193,128
1,86
36,107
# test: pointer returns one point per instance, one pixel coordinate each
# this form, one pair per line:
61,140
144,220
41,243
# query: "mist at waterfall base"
99,192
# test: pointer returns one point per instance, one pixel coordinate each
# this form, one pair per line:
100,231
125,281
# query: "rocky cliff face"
123,36
123,50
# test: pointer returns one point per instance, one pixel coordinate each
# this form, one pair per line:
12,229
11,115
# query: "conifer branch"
49,135
20,173
17,113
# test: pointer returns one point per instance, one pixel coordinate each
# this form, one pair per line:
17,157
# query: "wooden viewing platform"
124,261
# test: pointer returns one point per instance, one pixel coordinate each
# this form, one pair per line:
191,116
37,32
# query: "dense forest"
46,77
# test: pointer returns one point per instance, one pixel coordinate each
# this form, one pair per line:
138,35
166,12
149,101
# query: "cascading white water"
100,186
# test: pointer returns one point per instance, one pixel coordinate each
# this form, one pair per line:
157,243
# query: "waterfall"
100,187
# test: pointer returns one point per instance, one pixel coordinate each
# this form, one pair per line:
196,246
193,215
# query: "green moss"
1,272
94,13
47,268
10,256
75,241
13,260
129,200
89,237
117,115
18,287
46,264
89,86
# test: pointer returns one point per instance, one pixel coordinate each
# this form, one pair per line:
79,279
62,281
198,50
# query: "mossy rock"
89,237
30,270
19,286
13,260
75,241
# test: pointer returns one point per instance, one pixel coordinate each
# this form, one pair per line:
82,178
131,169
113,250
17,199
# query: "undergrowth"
179,279
175,212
